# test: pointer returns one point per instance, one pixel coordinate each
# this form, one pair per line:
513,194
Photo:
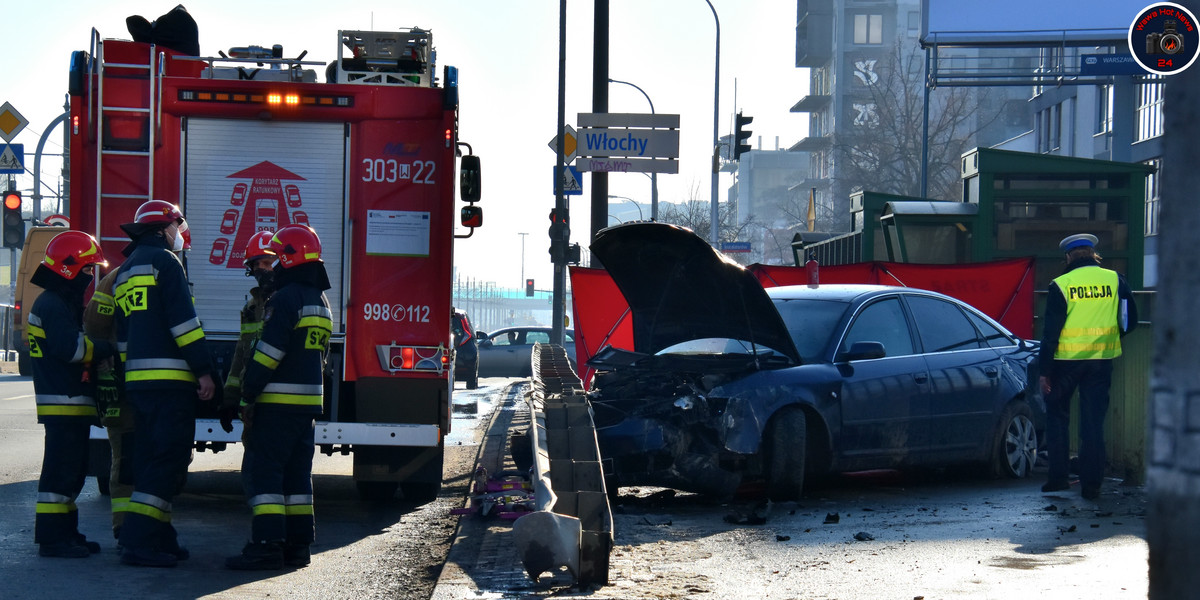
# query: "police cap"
1077,240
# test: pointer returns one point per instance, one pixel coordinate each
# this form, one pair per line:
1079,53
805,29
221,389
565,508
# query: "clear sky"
507,55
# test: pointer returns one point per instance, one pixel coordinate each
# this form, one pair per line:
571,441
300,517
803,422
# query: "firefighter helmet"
153,214
296,245
259,246
70,251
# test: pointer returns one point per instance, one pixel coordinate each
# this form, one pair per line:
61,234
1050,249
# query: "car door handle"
991,371
921,377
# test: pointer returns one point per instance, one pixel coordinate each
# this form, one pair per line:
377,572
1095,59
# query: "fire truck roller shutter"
265,157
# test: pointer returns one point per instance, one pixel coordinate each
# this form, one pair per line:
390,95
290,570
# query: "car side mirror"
863,351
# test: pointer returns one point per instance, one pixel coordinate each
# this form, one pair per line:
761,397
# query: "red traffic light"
12,200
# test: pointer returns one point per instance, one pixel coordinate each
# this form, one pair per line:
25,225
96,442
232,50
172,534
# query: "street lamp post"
716,103
522,257
653,176
635,204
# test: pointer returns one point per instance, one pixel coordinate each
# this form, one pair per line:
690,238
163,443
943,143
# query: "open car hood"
680,289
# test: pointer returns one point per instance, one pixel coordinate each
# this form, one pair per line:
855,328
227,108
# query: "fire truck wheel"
421,492
377,491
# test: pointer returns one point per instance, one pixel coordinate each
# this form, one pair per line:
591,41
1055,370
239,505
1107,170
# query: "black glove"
226,414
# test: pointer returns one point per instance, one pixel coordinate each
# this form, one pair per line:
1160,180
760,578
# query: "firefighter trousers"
166,425
64,467
277,475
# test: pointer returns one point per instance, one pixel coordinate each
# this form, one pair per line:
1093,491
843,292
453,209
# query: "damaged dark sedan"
730,387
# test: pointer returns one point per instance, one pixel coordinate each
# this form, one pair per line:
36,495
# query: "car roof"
839,291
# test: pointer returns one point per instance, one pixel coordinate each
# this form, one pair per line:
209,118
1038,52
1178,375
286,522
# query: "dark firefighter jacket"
59,351
287,369
159,337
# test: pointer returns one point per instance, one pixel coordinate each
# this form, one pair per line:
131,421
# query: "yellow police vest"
1091,330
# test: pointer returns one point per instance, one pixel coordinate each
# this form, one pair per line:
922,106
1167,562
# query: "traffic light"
528,288
741,135
559,233
14,223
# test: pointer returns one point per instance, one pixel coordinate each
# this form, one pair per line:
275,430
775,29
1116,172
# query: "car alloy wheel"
1016,451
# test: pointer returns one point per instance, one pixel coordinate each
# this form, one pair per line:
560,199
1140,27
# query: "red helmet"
70,251
259,246
153,212
296,245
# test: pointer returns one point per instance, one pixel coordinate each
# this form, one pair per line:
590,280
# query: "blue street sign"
1109,64
570,182
12,159
735,247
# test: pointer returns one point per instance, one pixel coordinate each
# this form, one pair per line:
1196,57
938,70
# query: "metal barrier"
572,526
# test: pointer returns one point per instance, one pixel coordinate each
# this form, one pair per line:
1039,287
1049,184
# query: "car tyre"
1014,452
787,449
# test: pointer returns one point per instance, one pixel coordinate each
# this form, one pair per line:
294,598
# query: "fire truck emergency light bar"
269,98
429,359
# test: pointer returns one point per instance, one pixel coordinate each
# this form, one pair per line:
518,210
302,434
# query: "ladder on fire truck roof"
115,118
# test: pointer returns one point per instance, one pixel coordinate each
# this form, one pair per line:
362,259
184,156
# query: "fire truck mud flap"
572,526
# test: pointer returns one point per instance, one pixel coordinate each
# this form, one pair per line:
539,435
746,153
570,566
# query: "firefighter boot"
146,557
68,549
296,555
257,556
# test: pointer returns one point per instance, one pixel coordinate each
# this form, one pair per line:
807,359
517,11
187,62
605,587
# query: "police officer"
167,366
1088,309
116,417
282,392
61,355
259,261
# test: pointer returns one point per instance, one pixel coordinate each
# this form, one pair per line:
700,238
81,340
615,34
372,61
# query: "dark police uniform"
1088,309
283,383
60,354
163,351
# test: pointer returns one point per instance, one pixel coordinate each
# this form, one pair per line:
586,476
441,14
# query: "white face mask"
178,245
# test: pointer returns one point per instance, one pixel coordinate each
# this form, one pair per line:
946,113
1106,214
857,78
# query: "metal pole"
716,103
925,132
522,257
37,168
557,335
653,176
599,105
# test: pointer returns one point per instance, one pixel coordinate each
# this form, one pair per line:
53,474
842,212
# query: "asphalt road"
942,534
363,550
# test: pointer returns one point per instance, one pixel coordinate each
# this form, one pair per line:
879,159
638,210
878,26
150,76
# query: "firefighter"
115,416
259,262
61,355
282,392
167,366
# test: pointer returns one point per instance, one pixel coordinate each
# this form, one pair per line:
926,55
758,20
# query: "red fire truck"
252,141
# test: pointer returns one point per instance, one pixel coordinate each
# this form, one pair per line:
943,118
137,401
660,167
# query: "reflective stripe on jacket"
59,353
161,342
1091,330
288,364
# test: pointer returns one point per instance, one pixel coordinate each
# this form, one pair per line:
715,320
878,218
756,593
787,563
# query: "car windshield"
810,323
714,346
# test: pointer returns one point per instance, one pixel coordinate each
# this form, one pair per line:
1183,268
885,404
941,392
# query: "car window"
504,338
535,337
991,335
884,322
811,324
942,325
713,346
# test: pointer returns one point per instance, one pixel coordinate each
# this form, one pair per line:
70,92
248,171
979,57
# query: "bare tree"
695,213
882,152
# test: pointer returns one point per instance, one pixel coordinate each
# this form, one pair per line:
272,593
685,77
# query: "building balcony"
812,144
812,103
